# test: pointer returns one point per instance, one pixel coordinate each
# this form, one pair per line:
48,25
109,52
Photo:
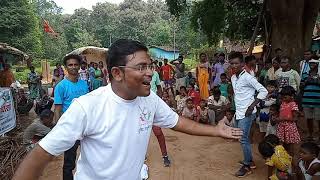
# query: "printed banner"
7,112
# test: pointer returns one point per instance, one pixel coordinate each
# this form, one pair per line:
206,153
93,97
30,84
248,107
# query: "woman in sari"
97,82
203,76
7,77
34,84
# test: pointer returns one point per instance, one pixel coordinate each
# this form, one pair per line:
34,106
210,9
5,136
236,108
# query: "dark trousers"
69,162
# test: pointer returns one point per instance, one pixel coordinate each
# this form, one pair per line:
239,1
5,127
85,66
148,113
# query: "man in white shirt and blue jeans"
113,123
245,87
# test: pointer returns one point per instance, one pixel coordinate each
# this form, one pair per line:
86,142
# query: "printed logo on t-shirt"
283,81
145,120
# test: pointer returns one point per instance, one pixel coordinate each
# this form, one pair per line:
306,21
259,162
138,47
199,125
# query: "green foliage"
190,63
241,18
147,21
19,26
22,76
208,16
216,18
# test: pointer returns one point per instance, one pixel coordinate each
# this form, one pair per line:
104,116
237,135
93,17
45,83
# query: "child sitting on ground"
230,117
203,112
38,129
277,158
219,104
193,94
189,111
181,99
273,119
309,163
44,103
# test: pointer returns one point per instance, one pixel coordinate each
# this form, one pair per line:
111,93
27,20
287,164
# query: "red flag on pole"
48,29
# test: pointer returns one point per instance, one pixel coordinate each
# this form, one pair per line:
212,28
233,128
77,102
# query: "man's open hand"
227,131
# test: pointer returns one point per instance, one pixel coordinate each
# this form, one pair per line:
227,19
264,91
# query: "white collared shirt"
244,88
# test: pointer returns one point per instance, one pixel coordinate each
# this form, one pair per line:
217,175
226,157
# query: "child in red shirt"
194,95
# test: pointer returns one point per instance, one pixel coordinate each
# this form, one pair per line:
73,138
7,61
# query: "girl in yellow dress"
277,158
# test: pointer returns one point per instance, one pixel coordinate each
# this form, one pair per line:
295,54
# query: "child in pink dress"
287,130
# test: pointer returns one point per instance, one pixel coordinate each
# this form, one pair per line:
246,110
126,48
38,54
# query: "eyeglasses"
141,68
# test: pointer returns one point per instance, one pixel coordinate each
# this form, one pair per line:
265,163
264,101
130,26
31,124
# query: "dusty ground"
193,158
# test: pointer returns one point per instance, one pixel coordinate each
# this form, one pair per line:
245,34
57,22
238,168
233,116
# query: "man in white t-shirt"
114,123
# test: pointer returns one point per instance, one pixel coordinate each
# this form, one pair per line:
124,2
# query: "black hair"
119,50
216,54
216,92
268,61
278,49
203,100
222,54
250,58
308,50
311,148
223,74
189,100
272,139
287,91
165,59
231,111
286,58
276,107
72,56
180,56
46,113
266,149
58,64
272,83
192,84
277,59
236,54
183,87
202,54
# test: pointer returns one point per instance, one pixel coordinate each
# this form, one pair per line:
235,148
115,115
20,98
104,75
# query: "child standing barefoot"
287,130
273,119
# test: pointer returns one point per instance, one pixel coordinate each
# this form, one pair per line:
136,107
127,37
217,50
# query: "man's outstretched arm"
188,126
33,164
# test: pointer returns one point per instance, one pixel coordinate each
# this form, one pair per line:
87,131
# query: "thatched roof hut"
13,55
92,53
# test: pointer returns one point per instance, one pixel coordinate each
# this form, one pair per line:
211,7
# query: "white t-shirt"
223,101
113,133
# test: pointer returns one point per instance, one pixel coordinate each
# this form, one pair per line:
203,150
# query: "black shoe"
243,171
252,164
166,161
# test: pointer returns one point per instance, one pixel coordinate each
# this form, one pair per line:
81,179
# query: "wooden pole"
255,32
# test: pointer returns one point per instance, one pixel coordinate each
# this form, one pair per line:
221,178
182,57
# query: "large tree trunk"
292,25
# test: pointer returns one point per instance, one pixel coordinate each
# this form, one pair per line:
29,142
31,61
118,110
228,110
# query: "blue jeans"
245,125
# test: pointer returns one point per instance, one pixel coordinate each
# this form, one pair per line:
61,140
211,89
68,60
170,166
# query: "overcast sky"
70,5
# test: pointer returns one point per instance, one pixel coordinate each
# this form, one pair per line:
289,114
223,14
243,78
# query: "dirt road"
193,158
